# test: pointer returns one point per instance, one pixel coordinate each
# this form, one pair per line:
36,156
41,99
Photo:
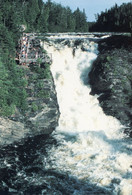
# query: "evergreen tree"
32,11
36,16
116,19
80,20
71,23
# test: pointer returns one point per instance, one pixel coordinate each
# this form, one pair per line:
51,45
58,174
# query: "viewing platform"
30,50
31,59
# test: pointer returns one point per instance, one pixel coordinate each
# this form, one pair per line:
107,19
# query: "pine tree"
116,19
71,23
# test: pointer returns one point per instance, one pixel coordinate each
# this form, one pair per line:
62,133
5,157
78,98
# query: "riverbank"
111,78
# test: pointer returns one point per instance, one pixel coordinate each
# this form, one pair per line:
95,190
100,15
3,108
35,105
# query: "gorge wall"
41,116
42,112
111,78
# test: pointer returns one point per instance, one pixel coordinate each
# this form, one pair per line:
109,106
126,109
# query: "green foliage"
40,84
33,78
116,19
34,107
43,94
80,21
12,81
108,58
41,17
44,51
36,16
12,89
42,72
39,61
62,19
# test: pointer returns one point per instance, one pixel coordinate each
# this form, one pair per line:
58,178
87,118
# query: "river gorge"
88,153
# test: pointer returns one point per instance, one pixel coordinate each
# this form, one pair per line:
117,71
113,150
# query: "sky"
91,7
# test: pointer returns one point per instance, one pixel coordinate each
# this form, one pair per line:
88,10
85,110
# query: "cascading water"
92,146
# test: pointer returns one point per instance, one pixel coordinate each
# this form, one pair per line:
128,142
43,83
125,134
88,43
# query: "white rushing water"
92,146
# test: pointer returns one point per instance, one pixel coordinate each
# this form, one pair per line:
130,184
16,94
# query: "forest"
42,17
37,16
116,19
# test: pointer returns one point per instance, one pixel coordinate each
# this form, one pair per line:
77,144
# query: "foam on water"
78,35
93,147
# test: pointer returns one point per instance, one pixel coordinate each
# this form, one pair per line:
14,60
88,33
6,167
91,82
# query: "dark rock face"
111,78
43,110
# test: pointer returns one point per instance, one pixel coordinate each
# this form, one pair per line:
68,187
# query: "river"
88,153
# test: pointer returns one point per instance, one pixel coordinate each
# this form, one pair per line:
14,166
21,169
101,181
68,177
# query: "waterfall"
92,145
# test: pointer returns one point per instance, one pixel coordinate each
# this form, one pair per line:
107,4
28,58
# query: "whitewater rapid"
92,146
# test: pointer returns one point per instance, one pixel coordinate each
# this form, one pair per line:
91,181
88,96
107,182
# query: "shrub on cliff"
42,70
12,88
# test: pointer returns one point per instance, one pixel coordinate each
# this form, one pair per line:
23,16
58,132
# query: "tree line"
116,19
42,17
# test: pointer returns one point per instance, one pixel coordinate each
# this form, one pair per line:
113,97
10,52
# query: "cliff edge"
111,78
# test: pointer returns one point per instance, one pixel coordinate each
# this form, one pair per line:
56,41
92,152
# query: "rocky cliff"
42,112
111,78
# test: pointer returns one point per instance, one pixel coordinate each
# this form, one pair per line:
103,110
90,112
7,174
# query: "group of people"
24,49
27,51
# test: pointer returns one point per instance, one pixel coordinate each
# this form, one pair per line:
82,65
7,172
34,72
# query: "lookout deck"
32,59
30,51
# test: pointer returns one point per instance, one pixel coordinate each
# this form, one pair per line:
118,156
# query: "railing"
29,58
29,52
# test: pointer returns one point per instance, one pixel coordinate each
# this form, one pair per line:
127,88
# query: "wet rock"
43,113
111,79
11,131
